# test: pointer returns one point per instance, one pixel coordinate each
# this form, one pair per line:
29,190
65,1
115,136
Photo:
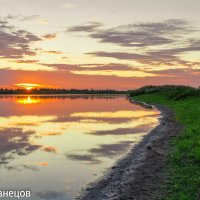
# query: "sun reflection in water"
28,100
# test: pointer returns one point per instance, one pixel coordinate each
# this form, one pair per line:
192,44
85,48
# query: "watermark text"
15,194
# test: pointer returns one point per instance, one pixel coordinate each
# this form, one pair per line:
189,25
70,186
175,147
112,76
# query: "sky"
123,44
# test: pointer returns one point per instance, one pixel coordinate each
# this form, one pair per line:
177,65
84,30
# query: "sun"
28,86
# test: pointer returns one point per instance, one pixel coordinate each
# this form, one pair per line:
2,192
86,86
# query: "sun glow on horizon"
28,86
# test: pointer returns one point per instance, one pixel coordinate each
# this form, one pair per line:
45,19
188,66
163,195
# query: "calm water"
55,146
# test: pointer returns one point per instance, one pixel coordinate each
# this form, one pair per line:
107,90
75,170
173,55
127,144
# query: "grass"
173,92
183,182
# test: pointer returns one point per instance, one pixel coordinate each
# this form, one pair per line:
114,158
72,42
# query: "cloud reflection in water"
72,138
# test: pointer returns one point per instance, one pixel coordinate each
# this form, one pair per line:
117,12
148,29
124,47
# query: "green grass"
184,160
174,92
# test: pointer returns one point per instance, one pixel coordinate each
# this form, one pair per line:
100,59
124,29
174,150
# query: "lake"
55,145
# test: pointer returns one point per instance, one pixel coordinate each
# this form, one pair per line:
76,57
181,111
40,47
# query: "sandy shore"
140,174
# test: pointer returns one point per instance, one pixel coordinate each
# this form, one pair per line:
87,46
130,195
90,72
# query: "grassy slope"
184,159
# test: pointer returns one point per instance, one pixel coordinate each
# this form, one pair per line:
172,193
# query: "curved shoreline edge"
140,174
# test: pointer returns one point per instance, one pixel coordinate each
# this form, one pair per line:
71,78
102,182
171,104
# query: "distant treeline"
175,92
59,91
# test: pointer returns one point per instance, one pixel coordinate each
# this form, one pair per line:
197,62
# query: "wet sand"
140,175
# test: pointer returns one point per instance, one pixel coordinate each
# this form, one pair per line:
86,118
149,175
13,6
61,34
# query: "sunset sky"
116,44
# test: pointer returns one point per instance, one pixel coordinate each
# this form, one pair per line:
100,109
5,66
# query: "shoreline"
140,174
59,95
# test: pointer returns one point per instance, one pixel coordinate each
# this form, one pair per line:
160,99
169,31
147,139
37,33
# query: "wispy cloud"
15,43
53,52
151,43
22,18
30,18
50,36
91,67
94,156
11,147
111,69
25,61
137,35
88,27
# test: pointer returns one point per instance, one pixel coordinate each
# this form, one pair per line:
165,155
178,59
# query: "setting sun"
28,86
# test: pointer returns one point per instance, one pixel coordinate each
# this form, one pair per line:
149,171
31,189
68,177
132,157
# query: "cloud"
15,142
191,46
30,167
51,134
109,66
22,18
5,26
177,72
50,149
30,18
53,52
15,43
151,43
89,27
150,58
137,35
85,158
22,167
90,119
119,55
27,124
122,131
25,61
156,58
111,150
111,69
91,67
50,36
125,73
95,155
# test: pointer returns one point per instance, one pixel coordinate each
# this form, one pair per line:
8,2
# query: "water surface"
56,145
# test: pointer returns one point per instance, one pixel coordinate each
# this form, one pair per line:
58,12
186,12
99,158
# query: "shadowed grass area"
171,91
183,182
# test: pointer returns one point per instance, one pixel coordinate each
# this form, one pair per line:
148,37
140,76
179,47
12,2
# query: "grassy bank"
183,182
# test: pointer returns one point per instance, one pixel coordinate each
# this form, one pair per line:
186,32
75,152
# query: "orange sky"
63,80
